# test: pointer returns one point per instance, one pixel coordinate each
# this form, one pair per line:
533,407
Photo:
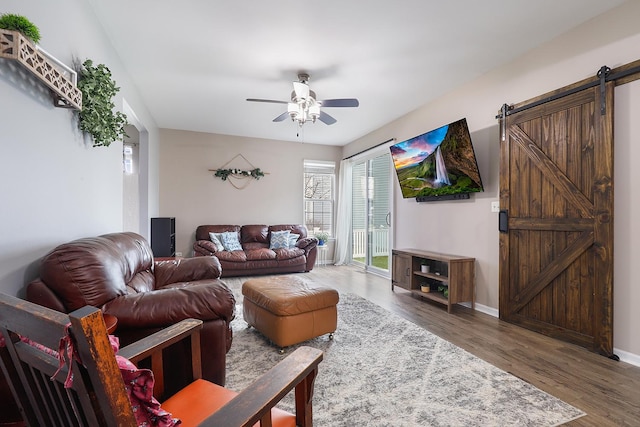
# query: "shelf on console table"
455,272
13,45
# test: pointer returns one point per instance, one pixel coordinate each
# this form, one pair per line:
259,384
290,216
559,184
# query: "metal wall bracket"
603,73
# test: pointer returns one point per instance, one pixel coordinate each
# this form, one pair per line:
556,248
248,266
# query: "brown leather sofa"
256,257
117,274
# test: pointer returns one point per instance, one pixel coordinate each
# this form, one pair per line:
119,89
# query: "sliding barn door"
556,193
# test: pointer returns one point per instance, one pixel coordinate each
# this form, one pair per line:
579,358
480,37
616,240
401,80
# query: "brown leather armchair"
117,274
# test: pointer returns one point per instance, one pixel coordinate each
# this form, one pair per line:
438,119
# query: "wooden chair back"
96,396
35,337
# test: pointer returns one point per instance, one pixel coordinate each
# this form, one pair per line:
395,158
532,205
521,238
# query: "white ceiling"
196,61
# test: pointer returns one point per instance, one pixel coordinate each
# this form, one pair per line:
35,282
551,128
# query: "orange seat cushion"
194,403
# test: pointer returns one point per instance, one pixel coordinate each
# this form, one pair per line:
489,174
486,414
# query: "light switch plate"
495,206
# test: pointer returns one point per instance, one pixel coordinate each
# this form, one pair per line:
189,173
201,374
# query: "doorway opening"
371,214
135,185
130,180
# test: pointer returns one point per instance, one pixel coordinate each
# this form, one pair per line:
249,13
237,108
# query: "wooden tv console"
455,273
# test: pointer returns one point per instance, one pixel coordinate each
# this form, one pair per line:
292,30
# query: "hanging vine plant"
97,117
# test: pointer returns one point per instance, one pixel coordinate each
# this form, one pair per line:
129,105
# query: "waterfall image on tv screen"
440,162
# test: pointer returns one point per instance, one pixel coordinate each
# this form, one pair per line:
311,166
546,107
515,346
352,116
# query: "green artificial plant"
224,173
322,236
97,117
10,21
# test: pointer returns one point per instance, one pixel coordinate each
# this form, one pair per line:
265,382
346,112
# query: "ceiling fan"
304,106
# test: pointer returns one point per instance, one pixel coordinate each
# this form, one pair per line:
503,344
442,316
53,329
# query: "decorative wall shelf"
13,45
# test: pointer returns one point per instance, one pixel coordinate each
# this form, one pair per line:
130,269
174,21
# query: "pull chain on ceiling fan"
304,106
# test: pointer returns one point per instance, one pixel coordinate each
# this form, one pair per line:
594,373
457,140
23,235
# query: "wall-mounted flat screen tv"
438,165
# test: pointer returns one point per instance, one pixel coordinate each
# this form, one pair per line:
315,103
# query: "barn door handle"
503,221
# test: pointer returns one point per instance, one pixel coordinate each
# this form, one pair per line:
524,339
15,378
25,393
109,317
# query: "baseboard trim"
627,357
487,310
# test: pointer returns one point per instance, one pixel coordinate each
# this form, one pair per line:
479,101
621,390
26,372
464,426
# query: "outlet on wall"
495,206
178,253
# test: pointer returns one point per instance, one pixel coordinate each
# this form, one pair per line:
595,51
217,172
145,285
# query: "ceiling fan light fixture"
304,105
303,116
301,90
314,112
293,109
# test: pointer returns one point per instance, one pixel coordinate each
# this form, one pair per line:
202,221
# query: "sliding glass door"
371,213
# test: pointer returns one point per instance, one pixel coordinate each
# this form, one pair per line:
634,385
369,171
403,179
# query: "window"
319,178
129,158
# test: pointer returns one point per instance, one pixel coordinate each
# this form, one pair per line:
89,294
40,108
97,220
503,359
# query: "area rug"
382,370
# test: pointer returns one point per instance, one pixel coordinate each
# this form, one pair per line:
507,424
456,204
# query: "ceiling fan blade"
326,119
281,117
301,90
273,101
346,102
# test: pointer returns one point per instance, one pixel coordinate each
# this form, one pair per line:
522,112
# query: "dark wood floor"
608,391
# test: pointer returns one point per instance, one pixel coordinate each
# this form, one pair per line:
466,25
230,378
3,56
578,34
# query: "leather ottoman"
289,310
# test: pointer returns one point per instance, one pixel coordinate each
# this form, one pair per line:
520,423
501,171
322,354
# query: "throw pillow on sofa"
216,239
293,239
279,239
230,241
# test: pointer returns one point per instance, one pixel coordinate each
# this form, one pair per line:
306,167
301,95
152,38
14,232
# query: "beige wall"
192,194
626,316
468,227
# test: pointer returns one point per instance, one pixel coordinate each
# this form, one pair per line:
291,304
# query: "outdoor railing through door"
380,242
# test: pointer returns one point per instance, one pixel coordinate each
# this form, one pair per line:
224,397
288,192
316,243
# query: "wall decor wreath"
237,174
253,173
